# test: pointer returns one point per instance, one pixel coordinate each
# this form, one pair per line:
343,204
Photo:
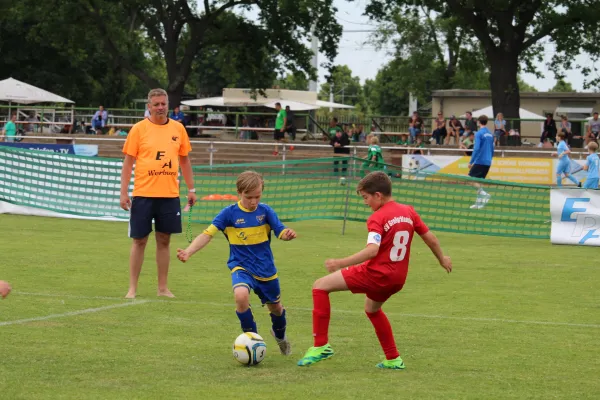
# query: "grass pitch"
516,319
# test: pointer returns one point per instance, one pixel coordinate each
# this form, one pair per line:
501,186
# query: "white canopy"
294,105
14,91
208,101
489,111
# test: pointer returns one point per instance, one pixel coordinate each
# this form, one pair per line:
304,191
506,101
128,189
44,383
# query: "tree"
179,31
562,86
512,33
294,81
346,88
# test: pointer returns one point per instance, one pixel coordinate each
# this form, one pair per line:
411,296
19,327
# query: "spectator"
291,125
418,147
280,125
455,130
593,129
415,126
362,136
565,127
549,130
245,134
499,128
440,132
339,142
470,124
30,125
99,120
10,129
468,143
178,115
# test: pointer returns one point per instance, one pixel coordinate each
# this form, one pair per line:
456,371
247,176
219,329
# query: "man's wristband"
192,191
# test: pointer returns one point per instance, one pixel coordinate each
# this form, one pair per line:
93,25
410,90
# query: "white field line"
73,313
356,312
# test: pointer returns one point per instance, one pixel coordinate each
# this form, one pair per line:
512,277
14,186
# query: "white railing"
285,147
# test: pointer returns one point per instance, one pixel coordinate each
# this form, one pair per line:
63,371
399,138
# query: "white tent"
489,111
294,105
14,91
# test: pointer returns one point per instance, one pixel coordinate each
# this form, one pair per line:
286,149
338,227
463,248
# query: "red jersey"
393,225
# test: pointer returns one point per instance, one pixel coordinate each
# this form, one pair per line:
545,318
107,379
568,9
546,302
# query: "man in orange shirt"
158,146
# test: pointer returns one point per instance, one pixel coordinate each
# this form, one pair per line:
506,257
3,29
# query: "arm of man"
188,176
128,162
476,148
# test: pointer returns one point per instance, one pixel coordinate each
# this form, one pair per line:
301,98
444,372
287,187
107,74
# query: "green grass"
518,318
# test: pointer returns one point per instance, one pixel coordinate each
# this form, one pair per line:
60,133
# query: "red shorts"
360,280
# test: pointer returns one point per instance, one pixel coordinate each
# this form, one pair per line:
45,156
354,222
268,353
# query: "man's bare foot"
130,295
165,293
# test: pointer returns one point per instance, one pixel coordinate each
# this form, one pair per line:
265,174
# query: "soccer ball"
343,181
249,348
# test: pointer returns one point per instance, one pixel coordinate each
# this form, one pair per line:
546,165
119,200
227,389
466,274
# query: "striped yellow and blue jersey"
249,236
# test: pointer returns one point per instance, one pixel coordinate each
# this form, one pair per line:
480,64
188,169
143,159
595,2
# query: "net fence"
323,188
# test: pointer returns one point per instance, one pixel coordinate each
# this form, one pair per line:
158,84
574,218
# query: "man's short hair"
483,119
277,104
469,112
595,112
334,119
375,182
593,146
157,93
249,181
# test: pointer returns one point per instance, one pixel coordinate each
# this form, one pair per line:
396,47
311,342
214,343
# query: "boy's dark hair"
375,182
483,120
335,120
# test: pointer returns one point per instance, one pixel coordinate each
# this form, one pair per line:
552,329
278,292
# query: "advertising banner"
575,217
89,150
538,171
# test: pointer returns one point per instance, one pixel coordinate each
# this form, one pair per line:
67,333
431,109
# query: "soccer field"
517,318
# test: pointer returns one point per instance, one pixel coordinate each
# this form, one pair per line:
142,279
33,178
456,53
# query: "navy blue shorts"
268,292
479,171
166,213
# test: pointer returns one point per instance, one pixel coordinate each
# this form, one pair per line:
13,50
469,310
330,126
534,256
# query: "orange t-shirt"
157,149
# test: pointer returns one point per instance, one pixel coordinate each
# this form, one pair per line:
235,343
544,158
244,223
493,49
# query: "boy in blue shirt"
591,167
247,227
564,162
481,160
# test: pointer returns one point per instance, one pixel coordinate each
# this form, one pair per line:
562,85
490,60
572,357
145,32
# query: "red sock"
383,329
321,314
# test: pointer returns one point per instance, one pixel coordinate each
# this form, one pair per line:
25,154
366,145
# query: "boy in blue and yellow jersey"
247,226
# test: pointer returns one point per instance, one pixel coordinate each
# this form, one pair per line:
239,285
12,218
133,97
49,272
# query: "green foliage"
562,86
512,35
293,81
346,88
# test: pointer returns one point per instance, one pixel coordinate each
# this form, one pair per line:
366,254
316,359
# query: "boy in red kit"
378,271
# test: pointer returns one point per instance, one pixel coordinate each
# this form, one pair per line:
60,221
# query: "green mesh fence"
321,188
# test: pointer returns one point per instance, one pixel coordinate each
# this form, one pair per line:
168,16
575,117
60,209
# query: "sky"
364,60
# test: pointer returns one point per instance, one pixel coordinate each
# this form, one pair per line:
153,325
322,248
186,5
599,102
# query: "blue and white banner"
575,216
89,150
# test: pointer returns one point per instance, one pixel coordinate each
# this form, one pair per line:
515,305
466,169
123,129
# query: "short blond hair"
593,146
374,140
156,93
249,181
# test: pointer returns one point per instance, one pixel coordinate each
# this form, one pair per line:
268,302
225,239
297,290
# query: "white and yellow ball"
249,348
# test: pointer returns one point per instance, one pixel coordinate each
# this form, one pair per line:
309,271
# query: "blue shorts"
165,211
267,291
563,168
591,183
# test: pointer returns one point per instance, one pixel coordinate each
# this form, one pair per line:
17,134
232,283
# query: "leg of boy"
269,293
243,311
572,178
559,180
242,283
334,282
383,329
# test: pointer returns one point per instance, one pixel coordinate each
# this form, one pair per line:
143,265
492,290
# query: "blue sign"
89,150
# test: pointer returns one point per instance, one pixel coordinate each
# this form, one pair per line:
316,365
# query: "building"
576,106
